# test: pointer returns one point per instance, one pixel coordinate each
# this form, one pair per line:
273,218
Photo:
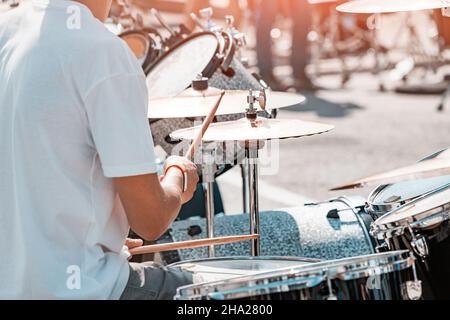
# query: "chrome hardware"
207,14
382,248
413,289
420,246
331,295
261,99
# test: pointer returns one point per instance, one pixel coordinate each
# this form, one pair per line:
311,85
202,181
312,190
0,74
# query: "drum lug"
382,248
412,290
331,295
420,247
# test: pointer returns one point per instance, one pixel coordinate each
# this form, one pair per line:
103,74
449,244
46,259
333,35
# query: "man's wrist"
183,172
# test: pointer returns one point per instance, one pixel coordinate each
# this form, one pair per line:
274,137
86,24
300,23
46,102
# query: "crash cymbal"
434,167
389,6
265,129
191,103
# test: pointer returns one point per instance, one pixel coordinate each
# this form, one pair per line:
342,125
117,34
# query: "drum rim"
142,33
179,44
426,219
383,208
245,258
298,278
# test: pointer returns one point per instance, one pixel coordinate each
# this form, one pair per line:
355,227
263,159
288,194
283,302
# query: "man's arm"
152,205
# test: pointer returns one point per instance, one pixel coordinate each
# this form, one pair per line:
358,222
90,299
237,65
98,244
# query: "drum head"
417,210
215,269
297,277
389,197
174,71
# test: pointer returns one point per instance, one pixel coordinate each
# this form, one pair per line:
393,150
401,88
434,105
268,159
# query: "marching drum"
309,231
387,276
422,226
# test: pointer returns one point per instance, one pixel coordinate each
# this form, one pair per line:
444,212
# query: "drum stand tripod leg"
245,185
208,187
251,155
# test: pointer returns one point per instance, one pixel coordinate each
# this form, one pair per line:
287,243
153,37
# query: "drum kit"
392,246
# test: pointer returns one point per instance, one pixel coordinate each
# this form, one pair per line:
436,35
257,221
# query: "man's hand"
134,243
191,172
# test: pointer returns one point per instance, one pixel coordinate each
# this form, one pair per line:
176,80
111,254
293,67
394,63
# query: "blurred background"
381,80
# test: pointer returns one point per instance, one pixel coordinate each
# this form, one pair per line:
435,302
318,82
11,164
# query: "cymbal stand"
208,175
252,168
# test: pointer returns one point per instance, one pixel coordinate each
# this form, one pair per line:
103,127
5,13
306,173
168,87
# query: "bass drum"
312,231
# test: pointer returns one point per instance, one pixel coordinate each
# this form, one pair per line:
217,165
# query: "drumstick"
209,119
191,244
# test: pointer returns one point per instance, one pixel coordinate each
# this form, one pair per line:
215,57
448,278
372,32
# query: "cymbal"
266,129
390,6
191,103
435,167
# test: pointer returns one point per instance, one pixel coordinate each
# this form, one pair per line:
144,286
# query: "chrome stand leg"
245,191
208,187
251,154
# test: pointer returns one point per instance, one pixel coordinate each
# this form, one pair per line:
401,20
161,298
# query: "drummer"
75,140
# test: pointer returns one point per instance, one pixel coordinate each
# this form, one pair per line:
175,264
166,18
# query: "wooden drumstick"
190,244
198,139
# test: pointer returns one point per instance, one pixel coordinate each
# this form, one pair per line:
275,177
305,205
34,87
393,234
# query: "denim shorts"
150,281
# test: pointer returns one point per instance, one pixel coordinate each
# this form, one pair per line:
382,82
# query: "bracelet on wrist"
183,172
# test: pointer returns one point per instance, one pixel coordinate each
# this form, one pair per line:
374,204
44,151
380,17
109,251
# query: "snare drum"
387,276
218,269
422,226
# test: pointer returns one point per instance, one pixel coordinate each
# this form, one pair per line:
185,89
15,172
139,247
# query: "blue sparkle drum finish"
296,232
387,276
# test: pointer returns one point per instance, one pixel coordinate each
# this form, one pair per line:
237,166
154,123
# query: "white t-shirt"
73,106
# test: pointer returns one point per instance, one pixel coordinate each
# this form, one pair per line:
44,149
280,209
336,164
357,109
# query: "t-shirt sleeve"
116,109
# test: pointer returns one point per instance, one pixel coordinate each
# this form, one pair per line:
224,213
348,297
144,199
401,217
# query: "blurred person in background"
267,12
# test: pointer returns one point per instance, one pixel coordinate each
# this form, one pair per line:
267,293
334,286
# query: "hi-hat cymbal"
435,167
191,103
266,129
390,6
